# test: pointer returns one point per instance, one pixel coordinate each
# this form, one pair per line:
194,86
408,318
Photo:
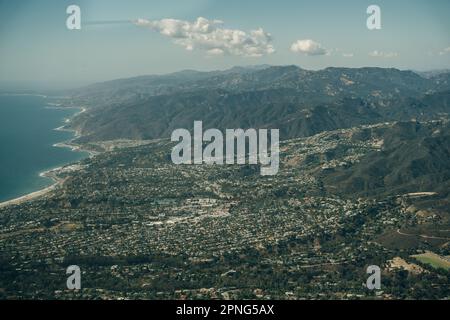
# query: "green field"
433,260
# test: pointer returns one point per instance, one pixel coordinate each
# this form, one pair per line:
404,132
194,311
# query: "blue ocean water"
26,143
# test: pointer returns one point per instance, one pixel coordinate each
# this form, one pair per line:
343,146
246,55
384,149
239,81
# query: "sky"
125,38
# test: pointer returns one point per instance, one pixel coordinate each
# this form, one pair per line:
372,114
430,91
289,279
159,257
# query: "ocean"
27,136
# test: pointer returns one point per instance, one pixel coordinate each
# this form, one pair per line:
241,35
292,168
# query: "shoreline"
12,94
53,172
69,143
39,193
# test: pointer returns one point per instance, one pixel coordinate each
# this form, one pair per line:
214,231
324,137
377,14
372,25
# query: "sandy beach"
39,193
28,197
53,173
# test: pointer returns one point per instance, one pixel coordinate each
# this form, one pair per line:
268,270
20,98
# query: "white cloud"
348,55
208,35
215,51
381,54
308,47
445,51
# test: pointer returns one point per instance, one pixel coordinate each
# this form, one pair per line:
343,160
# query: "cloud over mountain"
308,47
381,54
210,36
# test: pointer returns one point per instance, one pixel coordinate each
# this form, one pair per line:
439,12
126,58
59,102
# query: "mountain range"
299,102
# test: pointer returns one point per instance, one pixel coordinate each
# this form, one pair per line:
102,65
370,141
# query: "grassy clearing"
434,260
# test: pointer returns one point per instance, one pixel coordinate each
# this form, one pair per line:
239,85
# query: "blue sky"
36,46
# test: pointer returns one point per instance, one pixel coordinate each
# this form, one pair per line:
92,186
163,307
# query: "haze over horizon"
120,39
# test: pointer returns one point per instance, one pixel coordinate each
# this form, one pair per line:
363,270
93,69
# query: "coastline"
53,172
39,193
69,143
23,94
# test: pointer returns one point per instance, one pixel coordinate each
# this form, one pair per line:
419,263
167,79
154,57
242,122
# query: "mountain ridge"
300,102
